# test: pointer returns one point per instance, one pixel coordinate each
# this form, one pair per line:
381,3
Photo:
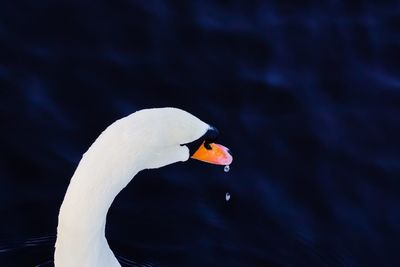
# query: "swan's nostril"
207,146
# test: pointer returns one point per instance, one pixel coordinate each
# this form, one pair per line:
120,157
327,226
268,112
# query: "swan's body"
146,139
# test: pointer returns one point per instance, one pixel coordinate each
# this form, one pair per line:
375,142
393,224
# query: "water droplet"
226,168
227,196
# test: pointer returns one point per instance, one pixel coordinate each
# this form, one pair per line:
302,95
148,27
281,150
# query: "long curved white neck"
104,170
145,139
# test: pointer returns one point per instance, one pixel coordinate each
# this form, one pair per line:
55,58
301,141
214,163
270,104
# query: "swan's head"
169,135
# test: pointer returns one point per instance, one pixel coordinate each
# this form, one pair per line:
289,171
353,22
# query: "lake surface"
305,94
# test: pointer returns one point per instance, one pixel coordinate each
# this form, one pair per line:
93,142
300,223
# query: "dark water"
305,93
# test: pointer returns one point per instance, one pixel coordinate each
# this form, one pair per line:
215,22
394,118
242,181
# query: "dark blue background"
305,93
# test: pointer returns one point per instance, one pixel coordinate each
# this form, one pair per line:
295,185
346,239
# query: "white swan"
149,138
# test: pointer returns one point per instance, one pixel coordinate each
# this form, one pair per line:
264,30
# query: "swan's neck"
101,174
145,139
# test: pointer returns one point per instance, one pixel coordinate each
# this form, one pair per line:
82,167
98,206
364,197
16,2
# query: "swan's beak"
213,153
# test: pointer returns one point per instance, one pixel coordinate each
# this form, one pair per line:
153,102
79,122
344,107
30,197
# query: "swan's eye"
211,135
207,150
208,138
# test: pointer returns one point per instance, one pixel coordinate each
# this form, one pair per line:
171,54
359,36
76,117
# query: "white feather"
149,138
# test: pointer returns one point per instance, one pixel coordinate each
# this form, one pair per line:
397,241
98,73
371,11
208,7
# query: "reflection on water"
39,251
31,252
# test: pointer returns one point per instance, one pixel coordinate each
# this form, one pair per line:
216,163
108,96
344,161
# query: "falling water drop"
226,168
227,196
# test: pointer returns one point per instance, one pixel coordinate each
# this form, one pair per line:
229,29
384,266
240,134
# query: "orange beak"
213,153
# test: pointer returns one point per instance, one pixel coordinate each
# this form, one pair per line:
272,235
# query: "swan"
145,139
